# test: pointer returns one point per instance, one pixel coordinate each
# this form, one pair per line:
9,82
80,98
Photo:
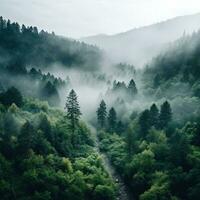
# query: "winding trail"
123,192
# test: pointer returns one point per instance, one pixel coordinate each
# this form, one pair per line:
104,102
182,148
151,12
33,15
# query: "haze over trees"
102,114
145,122
112,120
28,46
140,45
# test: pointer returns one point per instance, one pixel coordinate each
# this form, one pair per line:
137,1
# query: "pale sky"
78,18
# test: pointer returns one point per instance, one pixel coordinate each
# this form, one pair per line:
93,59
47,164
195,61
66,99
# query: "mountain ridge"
146,41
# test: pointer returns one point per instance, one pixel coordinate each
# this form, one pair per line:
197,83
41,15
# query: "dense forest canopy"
23,46
41,159
67,121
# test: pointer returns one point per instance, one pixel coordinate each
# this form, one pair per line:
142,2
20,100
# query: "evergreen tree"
73,110
112,120
144,122
165,115
12,95
101,114
154,116
130,141
120,127
45,127
50,94
132,90
26,137
1,23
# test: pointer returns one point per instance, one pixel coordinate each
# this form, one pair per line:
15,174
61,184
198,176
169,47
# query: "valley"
74,124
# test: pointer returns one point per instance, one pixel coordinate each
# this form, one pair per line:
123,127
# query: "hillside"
24,46
40,157
157,150
139,45
177,64
79,133
30,55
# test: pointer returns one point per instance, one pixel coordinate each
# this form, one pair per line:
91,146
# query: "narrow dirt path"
123,193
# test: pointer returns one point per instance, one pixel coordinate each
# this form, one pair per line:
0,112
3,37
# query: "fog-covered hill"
26,46
139,45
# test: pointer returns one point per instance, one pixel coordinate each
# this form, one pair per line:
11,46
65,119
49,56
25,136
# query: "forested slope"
42,158
21,46
25,53
157,149
44,152
148,123
179,63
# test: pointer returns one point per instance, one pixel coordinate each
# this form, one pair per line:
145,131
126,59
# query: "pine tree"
50,93
132,90
12,95
165,115
1,23
73,110
130,141
144,122
101,114
45,127
120,127
154,116
26,137
112,120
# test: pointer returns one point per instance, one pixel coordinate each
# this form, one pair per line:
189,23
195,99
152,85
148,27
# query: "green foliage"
154,116
101,114
39,161
159,189
165,115
26,46
156,163
12,95
120,89
144,122
73,110
49,92
112,120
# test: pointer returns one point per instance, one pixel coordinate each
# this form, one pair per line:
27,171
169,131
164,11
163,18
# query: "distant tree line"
121,90
108,121
38,84
23,46
154,118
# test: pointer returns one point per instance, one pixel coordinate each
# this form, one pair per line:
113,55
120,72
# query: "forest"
64,106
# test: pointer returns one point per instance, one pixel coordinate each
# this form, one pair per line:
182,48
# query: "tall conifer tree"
101,114
73,110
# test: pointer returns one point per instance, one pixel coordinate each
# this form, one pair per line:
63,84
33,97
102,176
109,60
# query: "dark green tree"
26,137
120,127
165,115
50,93
144,122
73,110
101,114
12,95
132,90
10,128
154,116
45,127
112,120
130,141
196,134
